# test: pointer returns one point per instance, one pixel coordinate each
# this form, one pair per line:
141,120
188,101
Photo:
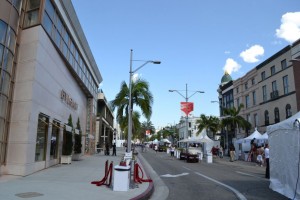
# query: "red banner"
147,132
187,107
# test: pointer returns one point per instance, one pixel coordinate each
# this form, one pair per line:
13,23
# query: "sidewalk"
71,182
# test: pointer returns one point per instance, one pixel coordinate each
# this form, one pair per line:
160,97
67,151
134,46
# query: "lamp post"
131,72
186,97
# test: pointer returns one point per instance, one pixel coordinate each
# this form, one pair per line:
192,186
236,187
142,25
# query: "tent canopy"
166,141
255,135
284,156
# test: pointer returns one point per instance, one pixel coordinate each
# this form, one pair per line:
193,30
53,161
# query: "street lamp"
130,98
186,97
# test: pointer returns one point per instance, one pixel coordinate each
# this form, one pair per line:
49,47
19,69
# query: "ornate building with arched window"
269,92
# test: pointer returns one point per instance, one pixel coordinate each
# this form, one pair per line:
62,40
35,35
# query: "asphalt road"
219,180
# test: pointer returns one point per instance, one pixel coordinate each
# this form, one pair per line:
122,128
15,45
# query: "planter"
66,159
76,156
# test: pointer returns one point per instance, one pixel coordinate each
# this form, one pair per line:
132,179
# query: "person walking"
172,151
267,156
156,148
114,150
232,152
107,149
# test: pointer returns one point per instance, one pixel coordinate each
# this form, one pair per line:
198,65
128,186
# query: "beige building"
48,73
269,92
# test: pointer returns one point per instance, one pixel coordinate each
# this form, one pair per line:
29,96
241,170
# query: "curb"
147,193
160,191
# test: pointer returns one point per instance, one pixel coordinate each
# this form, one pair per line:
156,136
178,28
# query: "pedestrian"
259,157
156,148
114,150
232,152
107,149
267,156
172,150
221,152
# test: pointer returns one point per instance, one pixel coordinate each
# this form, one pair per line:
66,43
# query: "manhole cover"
29,195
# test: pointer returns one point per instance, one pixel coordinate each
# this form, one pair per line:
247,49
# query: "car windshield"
193,150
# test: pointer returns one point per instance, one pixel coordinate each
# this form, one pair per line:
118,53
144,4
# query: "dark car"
161,148
190,155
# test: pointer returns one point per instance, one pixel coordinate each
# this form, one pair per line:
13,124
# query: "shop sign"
65,97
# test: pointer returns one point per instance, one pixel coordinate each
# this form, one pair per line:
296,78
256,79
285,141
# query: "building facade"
105,132
269,92
192,127
48,73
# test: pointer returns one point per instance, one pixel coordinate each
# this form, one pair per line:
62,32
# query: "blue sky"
195,41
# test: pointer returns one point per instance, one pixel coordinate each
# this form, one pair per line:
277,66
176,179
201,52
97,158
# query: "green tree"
210,123
77,139
146,125
136,124
232,120
141,97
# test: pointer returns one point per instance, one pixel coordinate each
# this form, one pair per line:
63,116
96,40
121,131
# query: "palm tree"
146,125
210,123
141,97
136,124
233,120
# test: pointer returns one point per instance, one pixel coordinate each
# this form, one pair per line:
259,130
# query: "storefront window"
54,140
3,28
1,130
4,83
1,53
17,4
33,4
41,138
31,18
3,105
7,60
47,23
11,39
50,9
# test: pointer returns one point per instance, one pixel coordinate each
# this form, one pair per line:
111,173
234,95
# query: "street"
219,180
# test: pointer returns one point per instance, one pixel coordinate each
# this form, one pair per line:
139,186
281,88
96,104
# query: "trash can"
209,158
121,178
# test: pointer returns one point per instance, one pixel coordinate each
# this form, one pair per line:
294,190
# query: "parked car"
162,148
190,154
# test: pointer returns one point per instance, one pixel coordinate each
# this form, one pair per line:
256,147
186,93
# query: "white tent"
166,141
201,138
265,136
255,135
284,145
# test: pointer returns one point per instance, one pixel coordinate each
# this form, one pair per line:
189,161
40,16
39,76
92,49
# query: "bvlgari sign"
68,100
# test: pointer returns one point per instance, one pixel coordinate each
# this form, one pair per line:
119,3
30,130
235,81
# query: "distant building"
269,92
192,127
48,73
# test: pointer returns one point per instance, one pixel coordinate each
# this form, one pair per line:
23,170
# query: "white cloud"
227,52
250,55
231,66
290,27
135,77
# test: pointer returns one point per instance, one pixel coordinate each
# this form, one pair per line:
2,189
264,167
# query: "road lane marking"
174,176
236,192
187,168
251,175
